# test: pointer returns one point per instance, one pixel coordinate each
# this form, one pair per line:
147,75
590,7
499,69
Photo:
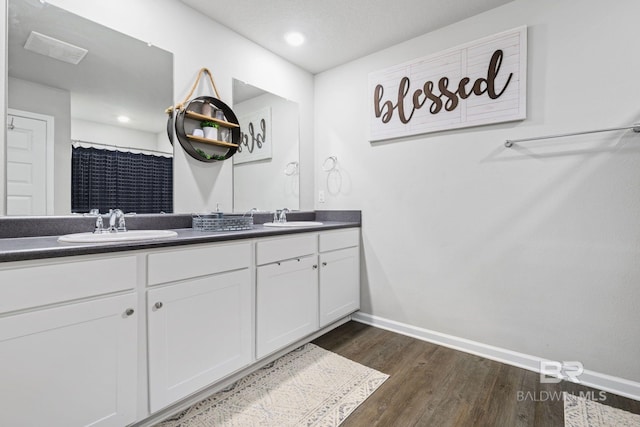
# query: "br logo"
554,372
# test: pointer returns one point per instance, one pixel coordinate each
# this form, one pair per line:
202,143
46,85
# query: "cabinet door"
72,365
339,284
287,303
199,332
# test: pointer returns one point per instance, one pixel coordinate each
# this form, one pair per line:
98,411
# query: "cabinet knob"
158,305
129,311
324,264
315,266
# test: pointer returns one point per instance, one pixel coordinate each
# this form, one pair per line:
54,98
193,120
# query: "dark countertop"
41,247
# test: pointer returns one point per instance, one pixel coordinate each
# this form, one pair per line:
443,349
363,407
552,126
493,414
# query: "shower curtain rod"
79,141
509,142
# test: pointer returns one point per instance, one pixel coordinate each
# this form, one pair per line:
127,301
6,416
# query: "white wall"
198,42
533,249
101,133
36,98
163,144
263,184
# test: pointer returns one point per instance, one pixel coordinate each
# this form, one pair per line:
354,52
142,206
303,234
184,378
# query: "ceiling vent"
54,48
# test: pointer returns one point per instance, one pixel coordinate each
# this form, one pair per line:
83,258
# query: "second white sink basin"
292,224
123,236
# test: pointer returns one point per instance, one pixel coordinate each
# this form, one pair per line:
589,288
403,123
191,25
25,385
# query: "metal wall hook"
10,126
330,164
291,168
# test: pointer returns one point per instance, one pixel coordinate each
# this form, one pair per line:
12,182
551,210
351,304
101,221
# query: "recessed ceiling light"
294,38
123,119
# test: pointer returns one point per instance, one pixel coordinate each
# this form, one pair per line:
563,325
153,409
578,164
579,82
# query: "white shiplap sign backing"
478,83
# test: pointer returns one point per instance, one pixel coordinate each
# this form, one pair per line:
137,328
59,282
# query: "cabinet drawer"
201,261
38,285
338,239
279,249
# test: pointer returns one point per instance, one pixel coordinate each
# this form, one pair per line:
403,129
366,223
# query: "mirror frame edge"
4,40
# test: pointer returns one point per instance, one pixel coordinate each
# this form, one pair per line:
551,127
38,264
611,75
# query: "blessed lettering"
440,95
253,139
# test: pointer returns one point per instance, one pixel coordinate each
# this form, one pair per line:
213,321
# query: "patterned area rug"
581,412
309,386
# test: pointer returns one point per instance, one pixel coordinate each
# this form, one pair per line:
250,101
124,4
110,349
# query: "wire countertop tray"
217,222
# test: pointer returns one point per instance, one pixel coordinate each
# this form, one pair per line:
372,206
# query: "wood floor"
430,385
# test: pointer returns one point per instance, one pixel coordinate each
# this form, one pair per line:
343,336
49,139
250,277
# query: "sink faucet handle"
116,215
99,225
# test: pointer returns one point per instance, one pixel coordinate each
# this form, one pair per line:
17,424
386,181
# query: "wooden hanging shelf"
183,113
186,115
201,117
212,141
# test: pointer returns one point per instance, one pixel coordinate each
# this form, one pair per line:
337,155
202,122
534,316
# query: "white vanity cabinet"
286,291
68,342
78,349
200,322
339,289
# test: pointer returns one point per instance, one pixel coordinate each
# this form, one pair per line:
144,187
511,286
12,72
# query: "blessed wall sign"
474,84
255,136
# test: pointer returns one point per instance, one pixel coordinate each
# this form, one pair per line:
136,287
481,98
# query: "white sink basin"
123,236
292,224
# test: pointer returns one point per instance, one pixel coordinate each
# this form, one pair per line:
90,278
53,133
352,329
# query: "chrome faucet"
280,215
116,215
251,212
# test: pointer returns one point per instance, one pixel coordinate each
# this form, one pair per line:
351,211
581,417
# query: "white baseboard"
615,385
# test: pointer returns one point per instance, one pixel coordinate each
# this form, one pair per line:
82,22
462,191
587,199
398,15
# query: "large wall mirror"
266,173
61,112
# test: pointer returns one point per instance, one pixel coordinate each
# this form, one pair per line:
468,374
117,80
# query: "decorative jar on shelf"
207,109
224,134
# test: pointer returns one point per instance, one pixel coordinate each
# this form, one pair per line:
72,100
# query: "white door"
199,332
287,303
27,173
70,365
